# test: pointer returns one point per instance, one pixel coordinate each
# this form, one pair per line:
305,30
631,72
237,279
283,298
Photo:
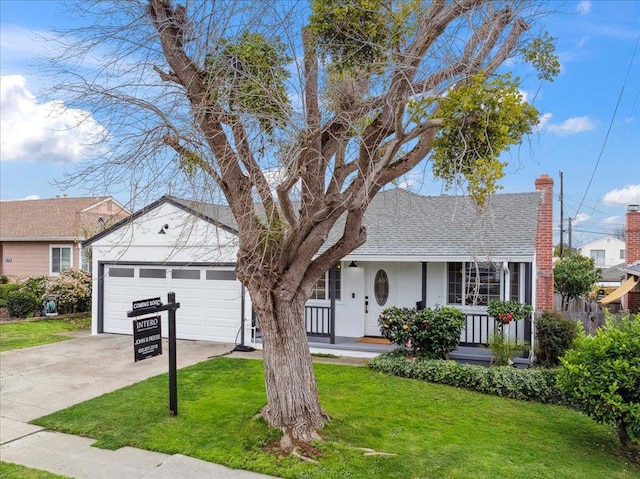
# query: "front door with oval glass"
380,294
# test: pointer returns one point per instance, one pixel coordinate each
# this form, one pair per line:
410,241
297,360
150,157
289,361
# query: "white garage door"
209,297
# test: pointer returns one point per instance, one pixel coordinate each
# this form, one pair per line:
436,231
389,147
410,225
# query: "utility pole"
570,219
561,216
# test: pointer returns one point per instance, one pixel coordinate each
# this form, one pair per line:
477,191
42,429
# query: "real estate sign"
147,338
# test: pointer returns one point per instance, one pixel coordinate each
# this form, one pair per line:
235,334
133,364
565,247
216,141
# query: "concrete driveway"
43,379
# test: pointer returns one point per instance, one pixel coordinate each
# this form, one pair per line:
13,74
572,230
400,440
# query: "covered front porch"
342,314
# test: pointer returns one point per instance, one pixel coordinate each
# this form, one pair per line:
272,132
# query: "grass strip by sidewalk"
435,431
34,333
15,471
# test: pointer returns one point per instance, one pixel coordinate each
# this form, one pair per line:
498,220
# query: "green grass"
14,471
33,333
435,431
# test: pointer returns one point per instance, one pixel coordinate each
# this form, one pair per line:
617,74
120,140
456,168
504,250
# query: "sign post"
149,332
173,374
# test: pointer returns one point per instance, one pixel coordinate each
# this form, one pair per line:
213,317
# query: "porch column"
424,284
332,297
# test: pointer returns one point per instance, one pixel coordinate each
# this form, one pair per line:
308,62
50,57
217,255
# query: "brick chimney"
632,255
544,245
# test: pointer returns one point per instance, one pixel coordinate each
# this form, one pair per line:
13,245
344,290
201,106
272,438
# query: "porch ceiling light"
353,264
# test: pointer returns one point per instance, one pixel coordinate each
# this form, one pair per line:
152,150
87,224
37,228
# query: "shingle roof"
613,273
216,213
402,223
54,218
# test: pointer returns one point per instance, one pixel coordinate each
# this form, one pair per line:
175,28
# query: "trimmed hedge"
531,384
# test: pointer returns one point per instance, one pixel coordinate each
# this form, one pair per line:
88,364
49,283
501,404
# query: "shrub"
503,349
3,279
5,290
436,332
601,377
72,291
23,304
533,384
36,285
554,335
430,333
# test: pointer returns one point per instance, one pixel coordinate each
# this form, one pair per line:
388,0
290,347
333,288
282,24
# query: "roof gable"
600,242
217,215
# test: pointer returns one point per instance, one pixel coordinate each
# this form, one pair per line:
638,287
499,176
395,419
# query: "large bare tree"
339,97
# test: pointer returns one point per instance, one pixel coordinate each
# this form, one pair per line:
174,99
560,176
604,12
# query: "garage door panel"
210,309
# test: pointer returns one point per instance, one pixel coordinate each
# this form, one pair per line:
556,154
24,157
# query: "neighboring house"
606,252
419,251
629,291
42,237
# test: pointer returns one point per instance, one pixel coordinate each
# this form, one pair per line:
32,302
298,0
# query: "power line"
593,174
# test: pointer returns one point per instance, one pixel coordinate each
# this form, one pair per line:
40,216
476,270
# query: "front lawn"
33,333
434,431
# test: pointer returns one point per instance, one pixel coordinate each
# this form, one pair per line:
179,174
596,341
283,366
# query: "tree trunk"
626,441
292,394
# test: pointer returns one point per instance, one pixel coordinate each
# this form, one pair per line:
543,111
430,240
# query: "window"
473,284
381,287
221,275
514,268
598,256
185,274
153,273
85,259
321,289
121,272
60,258
621,254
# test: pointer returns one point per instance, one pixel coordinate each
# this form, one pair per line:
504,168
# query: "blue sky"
590,124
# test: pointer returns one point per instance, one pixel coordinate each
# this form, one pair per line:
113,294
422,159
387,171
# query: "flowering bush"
503,312
35,285
394,325
72,291
429,333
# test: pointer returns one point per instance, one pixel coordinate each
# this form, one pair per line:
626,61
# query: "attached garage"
176,246
210,298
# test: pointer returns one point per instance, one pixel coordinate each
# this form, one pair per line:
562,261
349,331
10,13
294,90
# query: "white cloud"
543,120
583,7
31,197
580,218
613,220
42,132
628,195
570,126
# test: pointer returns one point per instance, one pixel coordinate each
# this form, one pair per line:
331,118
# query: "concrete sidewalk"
43,379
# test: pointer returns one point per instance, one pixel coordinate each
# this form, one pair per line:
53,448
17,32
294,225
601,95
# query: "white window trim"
326,285
51,247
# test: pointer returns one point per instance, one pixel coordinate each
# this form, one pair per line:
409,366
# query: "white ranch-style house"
420,251
606,252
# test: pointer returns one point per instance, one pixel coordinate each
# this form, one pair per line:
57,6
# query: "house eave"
437,259
73,239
